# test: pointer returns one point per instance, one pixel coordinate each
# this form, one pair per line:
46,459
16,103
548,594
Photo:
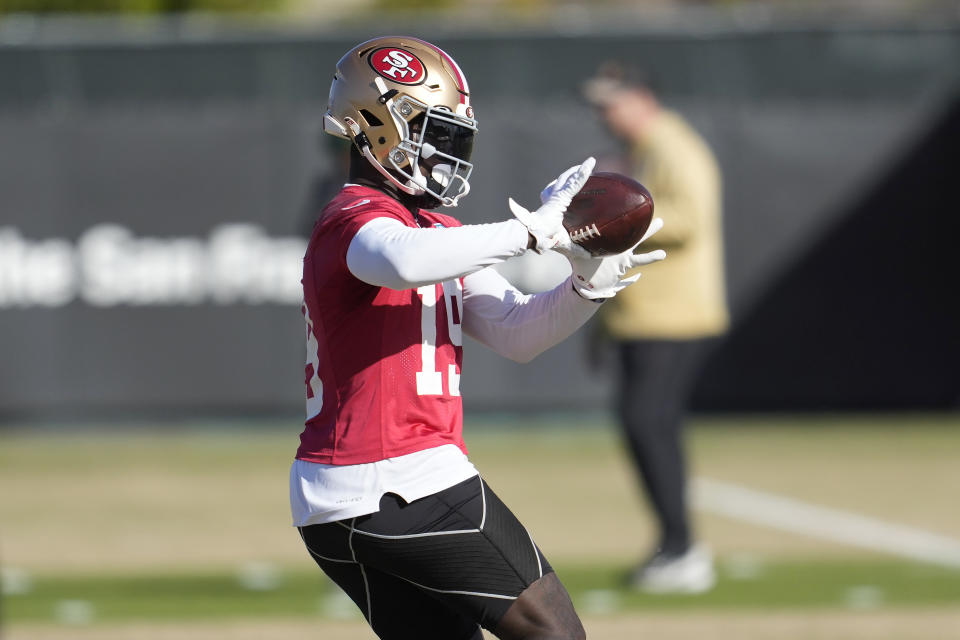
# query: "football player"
382,491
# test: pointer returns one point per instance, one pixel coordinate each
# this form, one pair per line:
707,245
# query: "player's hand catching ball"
546,223
555,185
603,277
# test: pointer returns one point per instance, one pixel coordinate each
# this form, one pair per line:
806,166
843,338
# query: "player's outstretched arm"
387,253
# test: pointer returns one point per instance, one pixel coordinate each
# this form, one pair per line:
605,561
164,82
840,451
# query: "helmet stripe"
458,74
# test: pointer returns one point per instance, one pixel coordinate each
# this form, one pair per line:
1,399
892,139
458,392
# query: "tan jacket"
684,296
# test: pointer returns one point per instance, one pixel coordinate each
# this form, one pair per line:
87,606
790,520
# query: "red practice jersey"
383,366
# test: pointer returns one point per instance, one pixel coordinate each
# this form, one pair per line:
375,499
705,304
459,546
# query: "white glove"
555,185
601,278
546,223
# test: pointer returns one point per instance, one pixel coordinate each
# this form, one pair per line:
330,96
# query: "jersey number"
429,380
315,385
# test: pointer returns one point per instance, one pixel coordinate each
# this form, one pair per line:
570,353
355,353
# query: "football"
609,215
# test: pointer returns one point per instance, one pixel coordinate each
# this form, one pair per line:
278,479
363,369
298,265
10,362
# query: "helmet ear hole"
372,120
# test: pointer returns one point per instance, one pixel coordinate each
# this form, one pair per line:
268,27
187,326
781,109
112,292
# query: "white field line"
787,514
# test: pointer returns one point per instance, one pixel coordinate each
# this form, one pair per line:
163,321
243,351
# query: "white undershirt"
386,253
321,493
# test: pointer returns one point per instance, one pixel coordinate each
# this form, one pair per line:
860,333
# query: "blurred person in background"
381,490
663,330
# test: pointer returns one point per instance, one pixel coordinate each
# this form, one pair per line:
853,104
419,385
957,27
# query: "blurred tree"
402,5
139,6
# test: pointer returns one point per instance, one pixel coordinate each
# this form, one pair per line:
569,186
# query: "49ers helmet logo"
398,65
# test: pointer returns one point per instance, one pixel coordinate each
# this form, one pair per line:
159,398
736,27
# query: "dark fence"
153,194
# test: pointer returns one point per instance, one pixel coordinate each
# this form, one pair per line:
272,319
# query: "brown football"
609,215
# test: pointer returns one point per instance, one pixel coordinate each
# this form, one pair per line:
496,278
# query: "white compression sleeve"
516,325
387,253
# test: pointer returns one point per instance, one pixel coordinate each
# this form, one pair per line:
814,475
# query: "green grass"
145,511
595,589
789,585
168,597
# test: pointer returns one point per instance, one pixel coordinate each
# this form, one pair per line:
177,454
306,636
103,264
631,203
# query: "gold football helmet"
405,104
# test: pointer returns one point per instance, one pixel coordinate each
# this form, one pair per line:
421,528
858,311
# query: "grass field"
178,531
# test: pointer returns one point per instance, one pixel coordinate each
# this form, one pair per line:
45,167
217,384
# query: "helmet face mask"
435,152
405,105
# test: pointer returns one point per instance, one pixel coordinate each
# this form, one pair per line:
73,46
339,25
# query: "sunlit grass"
258,593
